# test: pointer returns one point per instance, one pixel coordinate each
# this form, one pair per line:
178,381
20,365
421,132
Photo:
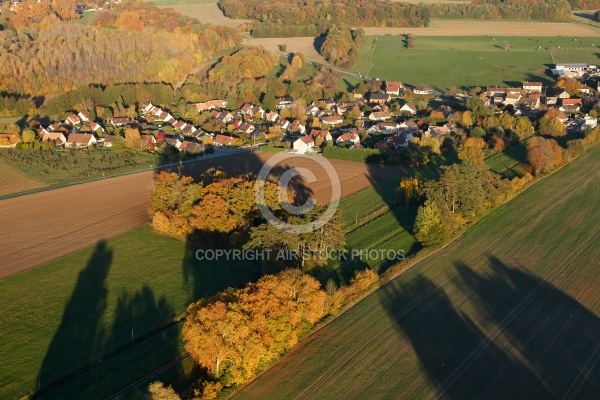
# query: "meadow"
467,61
509,308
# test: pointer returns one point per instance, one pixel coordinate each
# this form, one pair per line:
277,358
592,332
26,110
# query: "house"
57,126
191,147
84,116
316,133
211,105
570,105
589,122
297,126
397,141
303,145
350,138
81,140
250,111
585,89
95,127
532,100
393,87
423,89
222,140
224,116
246,127
328,104
72,120
179,125
272,116
563,95
189,130
146,107
332,120
437,131
495,90
532,86
409,108
409,125
512,99
108,140
283,124
9,141
283,102
173,141
380,116
52,136
312,109
379,98
120,121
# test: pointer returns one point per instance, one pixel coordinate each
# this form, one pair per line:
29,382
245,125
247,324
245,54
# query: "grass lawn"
445,62
509,310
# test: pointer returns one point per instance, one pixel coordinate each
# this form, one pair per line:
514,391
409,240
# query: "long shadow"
557,336
453,352
538,342
76,339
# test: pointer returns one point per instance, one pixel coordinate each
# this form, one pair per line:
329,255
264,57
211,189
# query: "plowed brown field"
40,227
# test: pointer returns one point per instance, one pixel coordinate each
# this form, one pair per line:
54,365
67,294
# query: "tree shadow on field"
75,341
93,357
539,343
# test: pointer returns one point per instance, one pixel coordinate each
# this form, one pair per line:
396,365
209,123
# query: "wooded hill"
133,43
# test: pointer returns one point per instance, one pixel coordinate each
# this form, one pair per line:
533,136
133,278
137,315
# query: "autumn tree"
523,128
133,139
407,192
472,150
550,125
543,155
160,392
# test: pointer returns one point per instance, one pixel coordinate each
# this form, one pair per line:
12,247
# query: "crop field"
14,181
492,28
445,62
509,308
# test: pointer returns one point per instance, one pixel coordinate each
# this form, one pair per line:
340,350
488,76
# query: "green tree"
430,226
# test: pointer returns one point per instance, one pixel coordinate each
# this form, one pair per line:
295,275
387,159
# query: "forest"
51,55
373,13
359,13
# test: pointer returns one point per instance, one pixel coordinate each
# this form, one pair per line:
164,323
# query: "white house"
380,116
332,120
350,138
532,86
303,144
81,140
423,89
393,87
409,108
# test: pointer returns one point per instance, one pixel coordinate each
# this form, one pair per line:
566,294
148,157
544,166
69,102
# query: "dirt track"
41,227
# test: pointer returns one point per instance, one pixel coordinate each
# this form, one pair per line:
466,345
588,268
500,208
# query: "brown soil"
41,227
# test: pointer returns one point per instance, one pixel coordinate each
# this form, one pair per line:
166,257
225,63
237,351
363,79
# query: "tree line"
359,13
240,332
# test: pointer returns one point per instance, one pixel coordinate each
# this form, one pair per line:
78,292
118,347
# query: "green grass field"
509,310
445,62
63,316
